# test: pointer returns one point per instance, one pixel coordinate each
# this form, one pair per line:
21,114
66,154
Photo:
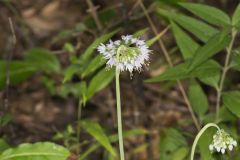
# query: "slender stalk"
224,73
169,61
78,125
199,135
119,116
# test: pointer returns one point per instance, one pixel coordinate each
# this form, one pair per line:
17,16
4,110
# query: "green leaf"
87,54
3,145
236,15
140,32
93,65
171,141
181,72
181,153
36,151
198,28
212,47
198,98
153,40
97,132
210,14
232,101
69,47
212,80
100,81
185,43
70,71
43,60
18,72
225,115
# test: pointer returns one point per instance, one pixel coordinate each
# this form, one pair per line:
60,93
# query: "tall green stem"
224,73
119,116
199,135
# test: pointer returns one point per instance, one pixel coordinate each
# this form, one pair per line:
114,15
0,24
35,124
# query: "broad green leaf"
181,153
225,115
140,32
19,71
43,60
181,72
232,101
71,70
198,28
87,54
212,47
212,80
198,98
236,15
36,151
185,43
3,145
100,81
210,14
97,132
94,64
171,141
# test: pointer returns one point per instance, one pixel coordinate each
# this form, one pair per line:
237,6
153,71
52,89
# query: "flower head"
127,54
222,141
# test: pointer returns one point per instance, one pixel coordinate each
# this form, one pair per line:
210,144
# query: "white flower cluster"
127,54
222,141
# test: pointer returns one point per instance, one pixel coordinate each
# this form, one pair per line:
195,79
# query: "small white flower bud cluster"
222,141
127,54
